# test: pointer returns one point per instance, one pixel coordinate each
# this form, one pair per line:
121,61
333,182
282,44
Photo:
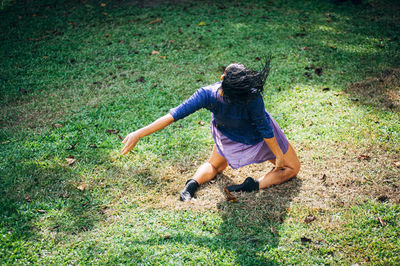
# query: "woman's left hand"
280,163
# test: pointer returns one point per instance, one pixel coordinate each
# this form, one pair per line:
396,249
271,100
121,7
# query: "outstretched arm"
133,138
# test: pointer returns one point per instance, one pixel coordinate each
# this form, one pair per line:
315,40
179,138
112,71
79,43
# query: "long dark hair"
241,84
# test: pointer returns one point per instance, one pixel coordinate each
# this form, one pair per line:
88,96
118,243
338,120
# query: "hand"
279,163
130,142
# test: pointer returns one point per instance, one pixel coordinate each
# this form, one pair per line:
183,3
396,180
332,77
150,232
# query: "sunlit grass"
77,77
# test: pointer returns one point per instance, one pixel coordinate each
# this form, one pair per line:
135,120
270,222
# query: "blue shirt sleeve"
260,118
200,99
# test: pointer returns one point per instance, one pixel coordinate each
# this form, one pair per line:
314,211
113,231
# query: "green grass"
81,65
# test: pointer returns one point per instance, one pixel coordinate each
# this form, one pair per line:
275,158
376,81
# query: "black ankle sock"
248,185
188,192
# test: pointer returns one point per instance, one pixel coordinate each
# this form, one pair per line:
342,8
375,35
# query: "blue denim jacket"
245,123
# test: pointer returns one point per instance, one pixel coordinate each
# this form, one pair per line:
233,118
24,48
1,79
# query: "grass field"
77,76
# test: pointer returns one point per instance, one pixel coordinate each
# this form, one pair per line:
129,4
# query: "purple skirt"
238,154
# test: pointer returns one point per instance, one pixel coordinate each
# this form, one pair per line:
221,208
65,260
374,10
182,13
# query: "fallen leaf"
163,57
28,199
23,91
381,221
231,198
157,20
397,164
57,125
45,57
318,71
310,67
171,41
305,240
104,210
41,211
155,52
112,131
93,146
383,198
202,23
70,160
82,187
71,147
305,48
102,4
309,218
300,34
107,35
364,157
84,228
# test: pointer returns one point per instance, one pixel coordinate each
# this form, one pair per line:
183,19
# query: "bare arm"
133,138
274,146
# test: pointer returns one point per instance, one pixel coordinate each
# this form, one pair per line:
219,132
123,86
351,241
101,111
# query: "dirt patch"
381,90
339,176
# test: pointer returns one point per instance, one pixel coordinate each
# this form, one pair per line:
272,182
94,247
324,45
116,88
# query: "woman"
244,133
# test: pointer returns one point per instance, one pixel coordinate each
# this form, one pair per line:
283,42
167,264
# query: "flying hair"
241,84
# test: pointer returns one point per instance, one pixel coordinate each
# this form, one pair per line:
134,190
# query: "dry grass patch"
332,175
381,90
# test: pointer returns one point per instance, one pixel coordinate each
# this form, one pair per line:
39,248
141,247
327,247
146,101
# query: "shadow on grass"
250,227
41,201
378,92
253,222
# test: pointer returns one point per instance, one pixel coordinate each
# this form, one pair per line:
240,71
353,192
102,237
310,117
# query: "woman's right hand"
130,142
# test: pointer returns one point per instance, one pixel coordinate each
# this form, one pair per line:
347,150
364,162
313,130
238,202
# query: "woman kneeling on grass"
243,131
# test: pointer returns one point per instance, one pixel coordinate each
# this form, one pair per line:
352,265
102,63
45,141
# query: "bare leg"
207,171
278,176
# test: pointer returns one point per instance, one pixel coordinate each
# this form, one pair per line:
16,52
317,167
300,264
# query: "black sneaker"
248,185
188,192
